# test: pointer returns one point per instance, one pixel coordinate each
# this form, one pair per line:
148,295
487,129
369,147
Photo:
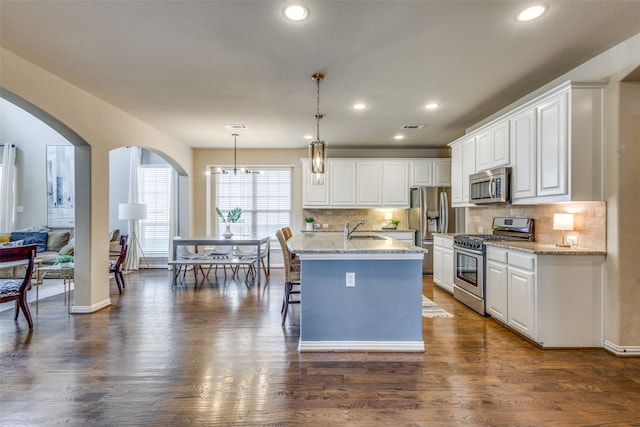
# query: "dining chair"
291,277
115,266
287,232
247,253
16,289
183,253
220,253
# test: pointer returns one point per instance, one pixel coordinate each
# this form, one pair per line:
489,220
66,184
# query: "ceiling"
190,67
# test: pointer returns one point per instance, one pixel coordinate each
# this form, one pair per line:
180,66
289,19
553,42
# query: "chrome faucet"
348,232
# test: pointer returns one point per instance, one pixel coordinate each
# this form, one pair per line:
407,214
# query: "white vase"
309,226
227,232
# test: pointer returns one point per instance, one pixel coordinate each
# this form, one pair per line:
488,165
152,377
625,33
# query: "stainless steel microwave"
491,186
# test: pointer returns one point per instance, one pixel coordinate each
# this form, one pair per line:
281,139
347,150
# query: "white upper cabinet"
463,164
313,194
421,172
552,146
395,189
523,141
442,172
342,189
430,172
553,143
456,175
492,146
559,146
369,181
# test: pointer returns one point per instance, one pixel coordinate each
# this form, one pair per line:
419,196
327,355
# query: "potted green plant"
309,221
64,261
392,223
233,216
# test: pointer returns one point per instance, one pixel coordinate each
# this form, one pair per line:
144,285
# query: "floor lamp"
133,212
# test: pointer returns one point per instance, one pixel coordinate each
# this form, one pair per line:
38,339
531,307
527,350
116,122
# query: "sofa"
51,245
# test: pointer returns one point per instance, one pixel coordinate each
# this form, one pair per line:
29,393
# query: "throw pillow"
66,250
114,235
4,238
57,240
32,238
13,244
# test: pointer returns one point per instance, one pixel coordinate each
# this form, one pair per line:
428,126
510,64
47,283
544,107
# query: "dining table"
262,244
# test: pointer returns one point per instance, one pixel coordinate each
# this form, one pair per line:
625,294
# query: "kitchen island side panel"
384,305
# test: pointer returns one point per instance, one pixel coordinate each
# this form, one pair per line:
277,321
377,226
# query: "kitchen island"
360,294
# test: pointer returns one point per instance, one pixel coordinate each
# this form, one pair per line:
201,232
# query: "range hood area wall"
590,221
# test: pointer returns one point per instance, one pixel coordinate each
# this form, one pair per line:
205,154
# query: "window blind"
265,200
155,185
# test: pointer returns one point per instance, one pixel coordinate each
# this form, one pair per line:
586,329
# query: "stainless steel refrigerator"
430,212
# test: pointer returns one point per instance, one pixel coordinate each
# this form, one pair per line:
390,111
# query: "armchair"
115,266
16,289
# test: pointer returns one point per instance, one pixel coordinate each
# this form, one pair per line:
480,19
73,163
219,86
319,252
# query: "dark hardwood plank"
216,354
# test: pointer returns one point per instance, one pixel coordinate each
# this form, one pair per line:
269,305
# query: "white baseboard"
622,350
404,346
79,309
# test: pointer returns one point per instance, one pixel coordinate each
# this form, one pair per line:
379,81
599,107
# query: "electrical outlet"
480,229
572,240
351,280
325,225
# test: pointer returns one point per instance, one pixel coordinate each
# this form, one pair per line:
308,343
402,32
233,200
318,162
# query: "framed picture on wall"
60,186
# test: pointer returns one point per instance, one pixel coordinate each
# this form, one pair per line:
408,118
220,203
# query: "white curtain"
132,261
173,206
7,189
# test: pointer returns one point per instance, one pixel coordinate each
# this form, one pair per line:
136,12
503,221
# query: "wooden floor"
217,356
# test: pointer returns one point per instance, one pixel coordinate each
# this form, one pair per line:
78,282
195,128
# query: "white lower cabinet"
555,300
496,290
443,262
521,300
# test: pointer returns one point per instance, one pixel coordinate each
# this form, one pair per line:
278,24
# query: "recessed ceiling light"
431,106
398,137
296,12
359,106
308,137
532,12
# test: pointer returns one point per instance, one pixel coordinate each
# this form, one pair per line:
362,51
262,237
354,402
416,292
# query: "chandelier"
317,147
235,156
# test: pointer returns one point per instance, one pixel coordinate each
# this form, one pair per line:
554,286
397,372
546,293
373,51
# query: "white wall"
30,136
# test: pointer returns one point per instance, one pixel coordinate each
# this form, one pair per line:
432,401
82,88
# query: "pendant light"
317,147
235,156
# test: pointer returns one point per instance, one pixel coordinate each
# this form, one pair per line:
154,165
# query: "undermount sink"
366,237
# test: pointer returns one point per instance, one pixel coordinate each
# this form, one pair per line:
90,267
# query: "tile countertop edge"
542,249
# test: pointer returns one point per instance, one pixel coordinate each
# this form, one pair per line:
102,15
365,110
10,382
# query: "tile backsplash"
590,221
336,218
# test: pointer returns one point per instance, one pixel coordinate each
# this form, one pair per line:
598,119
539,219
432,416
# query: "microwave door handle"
492,185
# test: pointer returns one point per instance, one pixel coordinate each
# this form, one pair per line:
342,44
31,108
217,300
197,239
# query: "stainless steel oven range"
469,256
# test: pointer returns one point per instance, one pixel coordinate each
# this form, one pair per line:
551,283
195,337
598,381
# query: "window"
265,200
155,185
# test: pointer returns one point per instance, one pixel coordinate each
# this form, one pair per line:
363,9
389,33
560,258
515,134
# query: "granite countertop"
333,243
543,249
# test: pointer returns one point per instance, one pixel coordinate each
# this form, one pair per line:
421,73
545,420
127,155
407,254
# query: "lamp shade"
132,211
563,221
